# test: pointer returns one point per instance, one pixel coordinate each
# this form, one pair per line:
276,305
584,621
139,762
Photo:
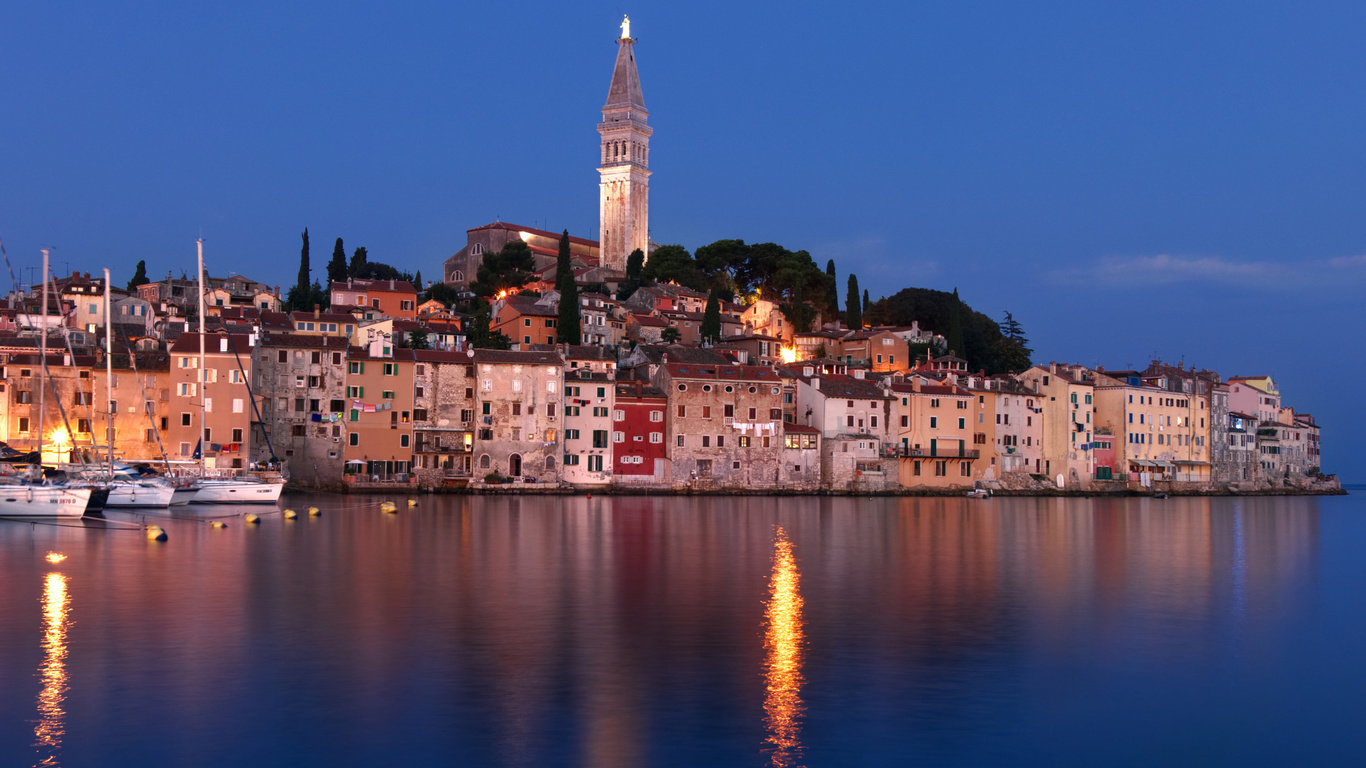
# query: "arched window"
476,249
550,463
458,276
484,461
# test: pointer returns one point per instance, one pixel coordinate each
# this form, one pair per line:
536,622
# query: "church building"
624,189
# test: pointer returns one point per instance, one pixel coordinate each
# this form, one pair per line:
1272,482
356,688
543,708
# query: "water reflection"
783,664
51,717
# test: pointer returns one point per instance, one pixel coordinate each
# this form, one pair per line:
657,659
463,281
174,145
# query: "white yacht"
18,499
237,490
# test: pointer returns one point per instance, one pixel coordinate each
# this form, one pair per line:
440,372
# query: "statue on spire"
625,27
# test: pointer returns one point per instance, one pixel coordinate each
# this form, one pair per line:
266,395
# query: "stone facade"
590,432
518,422
443,417
300,383
725,428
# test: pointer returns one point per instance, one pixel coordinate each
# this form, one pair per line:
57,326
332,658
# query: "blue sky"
1172,178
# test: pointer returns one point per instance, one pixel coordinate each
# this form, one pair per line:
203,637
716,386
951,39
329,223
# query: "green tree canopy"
480,336
504,270
934,310
956,345
673,264
670,335
635,264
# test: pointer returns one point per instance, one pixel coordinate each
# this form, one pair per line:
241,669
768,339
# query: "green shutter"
355,414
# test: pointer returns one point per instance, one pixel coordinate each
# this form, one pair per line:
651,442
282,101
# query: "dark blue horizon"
1166,180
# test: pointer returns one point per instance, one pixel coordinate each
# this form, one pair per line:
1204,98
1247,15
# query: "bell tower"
624,175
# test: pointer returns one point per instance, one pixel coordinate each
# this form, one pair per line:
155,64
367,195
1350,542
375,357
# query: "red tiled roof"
539,232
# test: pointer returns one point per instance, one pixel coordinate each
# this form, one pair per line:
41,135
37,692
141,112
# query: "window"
419,414
83,426
658,437
237,405
599,438
905,421
680,441
682,411
656,416
618,437
237,435
962,423
934,422
353,438
595,463
744,441
753,414
23,396
600,413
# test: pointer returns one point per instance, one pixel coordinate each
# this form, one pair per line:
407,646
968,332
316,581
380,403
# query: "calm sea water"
694,632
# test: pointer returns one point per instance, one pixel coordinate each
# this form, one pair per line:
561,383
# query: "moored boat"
28,500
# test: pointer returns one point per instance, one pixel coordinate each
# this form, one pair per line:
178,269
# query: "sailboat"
238,489
34,493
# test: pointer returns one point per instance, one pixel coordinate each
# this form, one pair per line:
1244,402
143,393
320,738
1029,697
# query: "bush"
493,478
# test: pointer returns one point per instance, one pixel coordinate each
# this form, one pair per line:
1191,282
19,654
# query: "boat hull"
43,501
184,495
237,492
140,495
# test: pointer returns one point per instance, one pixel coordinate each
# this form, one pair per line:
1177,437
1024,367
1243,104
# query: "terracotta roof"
400,286
799,429
442,356
539,232
188,343
509,357
322,317
650,320
838,386
722,372
628,390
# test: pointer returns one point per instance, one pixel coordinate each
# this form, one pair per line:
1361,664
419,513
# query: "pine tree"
336,268
569,329
139,276
956,326
853,313
711,319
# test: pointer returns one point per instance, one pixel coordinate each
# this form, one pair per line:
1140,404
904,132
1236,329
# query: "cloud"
1165,269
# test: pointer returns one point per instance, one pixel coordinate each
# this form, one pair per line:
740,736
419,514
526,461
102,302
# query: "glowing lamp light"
55,557
60,437
500,295
789,354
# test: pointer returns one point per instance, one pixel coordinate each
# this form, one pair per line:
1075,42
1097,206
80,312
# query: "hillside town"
544,361
383,391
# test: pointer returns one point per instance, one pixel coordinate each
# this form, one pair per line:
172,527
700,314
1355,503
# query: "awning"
1194,463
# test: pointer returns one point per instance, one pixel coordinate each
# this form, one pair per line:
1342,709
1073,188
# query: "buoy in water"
253,519
218,524
314,512
156,533
590,495
412,502
290,514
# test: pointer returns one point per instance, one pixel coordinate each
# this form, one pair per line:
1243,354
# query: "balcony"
940,453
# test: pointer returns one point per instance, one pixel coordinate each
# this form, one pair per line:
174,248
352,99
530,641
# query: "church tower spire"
624,176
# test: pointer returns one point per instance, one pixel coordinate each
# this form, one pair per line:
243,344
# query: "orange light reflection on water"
51,726
783,664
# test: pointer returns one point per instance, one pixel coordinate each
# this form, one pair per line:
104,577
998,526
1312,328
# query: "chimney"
816,382
391,283
1052,367
915,384
348,282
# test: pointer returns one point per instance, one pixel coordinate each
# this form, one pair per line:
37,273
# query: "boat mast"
203,448
42,363
109,371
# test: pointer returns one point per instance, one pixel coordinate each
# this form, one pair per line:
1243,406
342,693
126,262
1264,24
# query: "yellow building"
1160,433
1066,403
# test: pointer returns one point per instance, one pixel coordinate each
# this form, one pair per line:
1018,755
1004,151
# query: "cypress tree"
956,326
139,276
336,268
853,313
711,319
569,329
359,260
301,294
417,281
865,307
832,289
564,273
635,264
